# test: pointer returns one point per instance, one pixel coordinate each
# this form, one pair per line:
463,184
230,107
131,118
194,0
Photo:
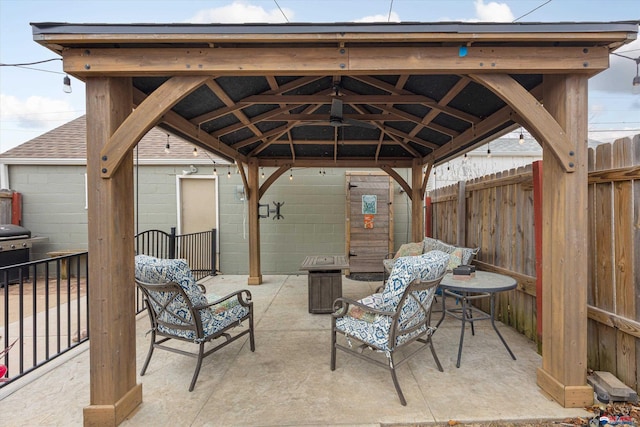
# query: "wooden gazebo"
408,95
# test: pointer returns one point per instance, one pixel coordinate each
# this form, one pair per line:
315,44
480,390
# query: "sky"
32,100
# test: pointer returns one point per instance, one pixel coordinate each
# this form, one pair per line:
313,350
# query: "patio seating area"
288,380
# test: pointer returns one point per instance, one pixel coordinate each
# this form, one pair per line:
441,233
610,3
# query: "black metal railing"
44,304
199,249
45,311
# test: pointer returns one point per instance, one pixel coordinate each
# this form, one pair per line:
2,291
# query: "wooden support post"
565,234
417,210
255,274
112,326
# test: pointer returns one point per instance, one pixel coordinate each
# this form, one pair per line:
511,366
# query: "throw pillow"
455,258
409,249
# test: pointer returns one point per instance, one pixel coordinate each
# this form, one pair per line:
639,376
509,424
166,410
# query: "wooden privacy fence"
498,213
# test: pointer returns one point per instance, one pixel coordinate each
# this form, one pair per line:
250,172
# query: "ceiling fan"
336,118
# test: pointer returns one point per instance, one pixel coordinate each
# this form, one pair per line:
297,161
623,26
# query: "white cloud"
493,11
393,17
240,12
34,113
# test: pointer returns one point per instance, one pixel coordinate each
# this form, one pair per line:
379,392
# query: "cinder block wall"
54,205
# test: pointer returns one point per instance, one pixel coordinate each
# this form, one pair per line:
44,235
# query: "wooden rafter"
437,105
399,179
534,114
143,118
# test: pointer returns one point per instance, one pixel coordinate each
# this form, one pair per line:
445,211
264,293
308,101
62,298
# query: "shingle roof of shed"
68,141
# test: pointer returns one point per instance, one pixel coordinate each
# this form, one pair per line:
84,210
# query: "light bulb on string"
228,172
66,84
521,139
262,175
167,147
195,151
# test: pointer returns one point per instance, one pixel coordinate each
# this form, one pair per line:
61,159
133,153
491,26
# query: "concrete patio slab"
287,380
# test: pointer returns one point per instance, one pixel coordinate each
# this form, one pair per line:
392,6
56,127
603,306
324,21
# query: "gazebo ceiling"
310,94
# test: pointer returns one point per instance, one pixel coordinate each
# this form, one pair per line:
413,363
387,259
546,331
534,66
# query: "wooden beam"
425,180
437,106
226,99
339,38
112,322
337,163
399,179
181,125
143,118
315,60
346,99
243,175
535,115
272,178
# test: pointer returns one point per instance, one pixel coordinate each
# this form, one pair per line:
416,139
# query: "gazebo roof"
343,93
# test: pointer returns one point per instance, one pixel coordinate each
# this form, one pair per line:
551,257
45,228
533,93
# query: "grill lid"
11,231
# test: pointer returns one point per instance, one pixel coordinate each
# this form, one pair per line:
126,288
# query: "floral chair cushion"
156,270
374,328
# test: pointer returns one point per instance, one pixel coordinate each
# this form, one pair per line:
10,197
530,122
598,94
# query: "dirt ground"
34,294
616,414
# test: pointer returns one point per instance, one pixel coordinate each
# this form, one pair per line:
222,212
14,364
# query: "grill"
15,248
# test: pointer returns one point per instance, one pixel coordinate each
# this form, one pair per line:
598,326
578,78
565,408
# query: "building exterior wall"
54,205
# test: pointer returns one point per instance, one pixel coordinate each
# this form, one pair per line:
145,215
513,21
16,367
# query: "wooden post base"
569,396
113,415
254,280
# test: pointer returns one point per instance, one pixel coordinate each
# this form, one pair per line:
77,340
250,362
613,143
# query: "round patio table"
484,285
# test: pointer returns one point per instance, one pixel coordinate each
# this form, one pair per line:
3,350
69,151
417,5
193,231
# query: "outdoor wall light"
66,84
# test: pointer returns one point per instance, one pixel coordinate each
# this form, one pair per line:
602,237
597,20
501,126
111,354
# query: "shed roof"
67,143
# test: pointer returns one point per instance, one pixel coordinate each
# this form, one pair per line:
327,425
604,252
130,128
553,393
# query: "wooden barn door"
369,220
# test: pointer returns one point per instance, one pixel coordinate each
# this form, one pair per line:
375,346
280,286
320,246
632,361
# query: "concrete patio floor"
287,380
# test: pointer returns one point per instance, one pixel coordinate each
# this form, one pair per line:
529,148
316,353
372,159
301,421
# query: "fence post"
172,243
537,221
214,268
461,226
428,217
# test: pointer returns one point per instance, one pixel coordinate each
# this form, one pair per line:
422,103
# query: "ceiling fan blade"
354,122
336,108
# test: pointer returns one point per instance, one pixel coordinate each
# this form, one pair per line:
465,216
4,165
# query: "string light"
488,151
228,172
66,84
291,175
167,148
521,139
262,175
195,151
